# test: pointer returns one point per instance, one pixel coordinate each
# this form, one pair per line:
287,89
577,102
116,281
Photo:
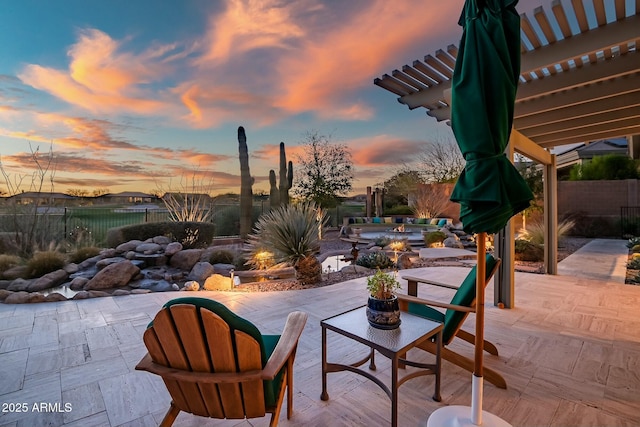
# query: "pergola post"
550,181
503,242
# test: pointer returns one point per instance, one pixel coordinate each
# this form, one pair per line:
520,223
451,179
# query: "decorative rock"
81,295
173,248
148,248
191,285
186,259
161,240
217,282
89,262
23,298
200,271
130,255
155,286
224,269
108,253
77,284
19,284
15,272
128,246
175,287
4,294
119,292
71,268
98,294
4,284
354,268
140,291
49,280
108,261
450,242
113,276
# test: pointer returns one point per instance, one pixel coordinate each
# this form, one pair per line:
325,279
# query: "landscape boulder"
48,281
186,259
113,276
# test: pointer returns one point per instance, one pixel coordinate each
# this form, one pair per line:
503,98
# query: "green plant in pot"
383,311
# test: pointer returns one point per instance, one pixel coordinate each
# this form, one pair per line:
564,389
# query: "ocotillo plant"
246,181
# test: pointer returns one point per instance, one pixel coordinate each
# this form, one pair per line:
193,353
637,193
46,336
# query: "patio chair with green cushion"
456,312
216,364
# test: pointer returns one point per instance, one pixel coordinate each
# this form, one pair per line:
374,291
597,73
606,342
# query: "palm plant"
290,234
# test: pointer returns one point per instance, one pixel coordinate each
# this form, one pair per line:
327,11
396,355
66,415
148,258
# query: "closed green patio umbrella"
490,190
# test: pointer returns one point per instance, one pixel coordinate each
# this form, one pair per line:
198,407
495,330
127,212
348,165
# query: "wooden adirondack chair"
457,310
216,364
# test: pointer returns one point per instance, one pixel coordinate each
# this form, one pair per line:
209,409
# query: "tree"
31,224
441,160
78,192
400,185
430,200
607,167
325,171
99,192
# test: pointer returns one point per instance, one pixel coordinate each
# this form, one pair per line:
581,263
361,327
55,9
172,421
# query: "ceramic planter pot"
383,313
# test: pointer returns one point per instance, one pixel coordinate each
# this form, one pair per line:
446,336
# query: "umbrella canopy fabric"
490,190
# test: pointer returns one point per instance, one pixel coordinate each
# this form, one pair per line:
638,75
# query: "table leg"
324,395
372,361
394,392
436,394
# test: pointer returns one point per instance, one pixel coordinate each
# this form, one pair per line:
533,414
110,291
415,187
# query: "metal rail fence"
629,221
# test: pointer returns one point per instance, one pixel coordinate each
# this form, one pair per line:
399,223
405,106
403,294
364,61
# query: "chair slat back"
183,338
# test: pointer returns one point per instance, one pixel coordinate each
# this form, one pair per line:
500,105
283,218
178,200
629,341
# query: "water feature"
334,263
63,290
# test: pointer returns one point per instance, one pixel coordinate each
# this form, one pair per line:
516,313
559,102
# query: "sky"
145,95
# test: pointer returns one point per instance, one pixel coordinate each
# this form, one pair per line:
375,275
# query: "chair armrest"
147,364
428,282
286,346
409,298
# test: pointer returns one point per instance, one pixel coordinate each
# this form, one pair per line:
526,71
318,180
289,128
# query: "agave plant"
290,233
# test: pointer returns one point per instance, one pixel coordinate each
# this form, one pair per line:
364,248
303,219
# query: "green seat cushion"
422,221
359,220
426,311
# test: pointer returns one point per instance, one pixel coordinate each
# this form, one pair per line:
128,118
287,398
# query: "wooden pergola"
578,83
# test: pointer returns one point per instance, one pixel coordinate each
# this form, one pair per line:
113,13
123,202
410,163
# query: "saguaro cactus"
280,195
286,176
246,182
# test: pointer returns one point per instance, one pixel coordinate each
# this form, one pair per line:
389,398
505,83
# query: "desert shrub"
377,259
528,251
8,261
190,234
399,210
45,262
634,241
221,257
634,262
81,254
288,234
400,245
434,237
535,231
241,262
381,241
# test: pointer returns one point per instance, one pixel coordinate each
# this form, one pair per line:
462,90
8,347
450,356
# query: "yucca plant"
290,234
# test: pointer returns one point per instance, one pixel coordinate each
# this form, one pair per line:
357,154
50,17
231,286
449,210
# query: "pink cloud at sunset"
101,77
249,25
324,76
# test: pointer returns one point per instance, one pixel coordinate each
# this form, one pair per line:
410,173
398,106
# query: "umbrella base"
460,416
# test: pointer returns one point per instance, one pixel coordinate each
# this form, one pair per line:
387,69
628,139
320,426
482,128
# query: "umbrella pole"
476,392
457,415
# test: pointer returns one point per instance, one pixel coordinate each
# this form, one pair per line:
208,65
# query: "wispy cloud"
102,76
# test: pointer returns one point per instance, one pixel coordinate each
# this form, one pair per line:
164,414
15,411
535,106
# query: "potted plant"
383,311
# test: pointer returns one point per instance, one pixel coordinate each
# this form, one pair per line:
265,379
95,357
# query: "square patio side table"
392,344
